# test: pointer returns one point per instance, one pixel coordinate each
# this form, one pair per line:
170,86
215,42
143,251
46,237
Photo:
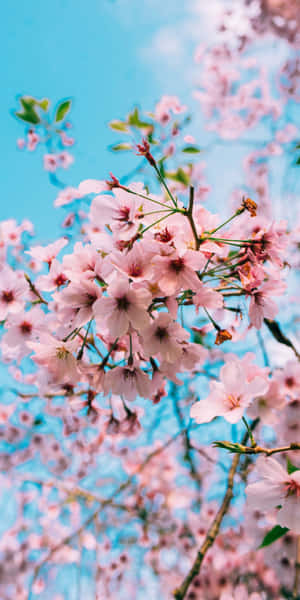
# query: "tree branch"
241,449
189,215
297,571
103,504
214,529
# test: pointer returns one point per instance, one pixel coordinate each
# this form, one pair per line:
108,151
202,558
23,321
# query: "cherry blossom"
111,336
13,288
230,396
277,489
164,337
125,306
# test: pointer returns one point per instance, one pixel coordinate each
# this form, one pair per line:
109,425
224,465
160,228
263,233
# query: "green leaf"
135,121
28,112
161,165
27,102
273,535
29,116
43,104
119,126
298,161
191,149
121,147
274,328
151,139
62,109
230,446
179,176
290,467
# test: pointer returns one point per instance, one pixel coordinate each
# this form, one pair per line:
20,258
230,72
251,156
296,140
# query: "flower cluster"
127,341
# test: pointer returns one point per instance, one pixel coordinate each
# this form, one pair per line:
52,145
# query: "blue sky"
107,55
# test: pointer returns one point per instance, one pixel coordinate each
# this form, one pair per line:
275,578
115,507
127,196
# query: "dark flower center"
177,265
60,279
90,299
161,333
129,374
124,213
26,327
7,296
135,270
164,236
123,303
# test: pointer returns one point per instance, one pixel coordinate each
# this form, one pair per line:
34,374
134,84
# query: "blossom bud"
250,205
144,150
222,336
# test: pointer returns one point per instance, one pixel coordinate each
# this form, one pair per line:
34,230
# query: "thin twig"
33,289
103,504
189,215
297,570
241,449
214,529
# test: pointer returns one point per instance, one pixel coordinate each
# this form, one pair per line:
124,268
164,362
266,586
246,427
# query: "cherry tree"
153,359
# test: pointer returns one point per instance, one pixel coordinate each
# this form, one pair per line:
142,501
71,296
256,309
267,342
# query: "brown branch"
297,571
214,529
103,504
241,449
189,215
34,290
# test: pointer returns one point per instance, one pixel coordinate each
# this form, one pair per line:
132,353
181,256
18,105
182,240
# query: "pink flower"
33,140
192,355
56,357
10,232
76,302
84,262
67,196
125,306
119,211
135,264
277,489
92,186
38,586
21,143
262,304
47,253
241,593
13,288
189,139
289,379
271,242
54,279
288,133
66,140
207,297
265,406
128,382
176,271
5,412
22,328
230,396
50,162
65,159
164,337
166,106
